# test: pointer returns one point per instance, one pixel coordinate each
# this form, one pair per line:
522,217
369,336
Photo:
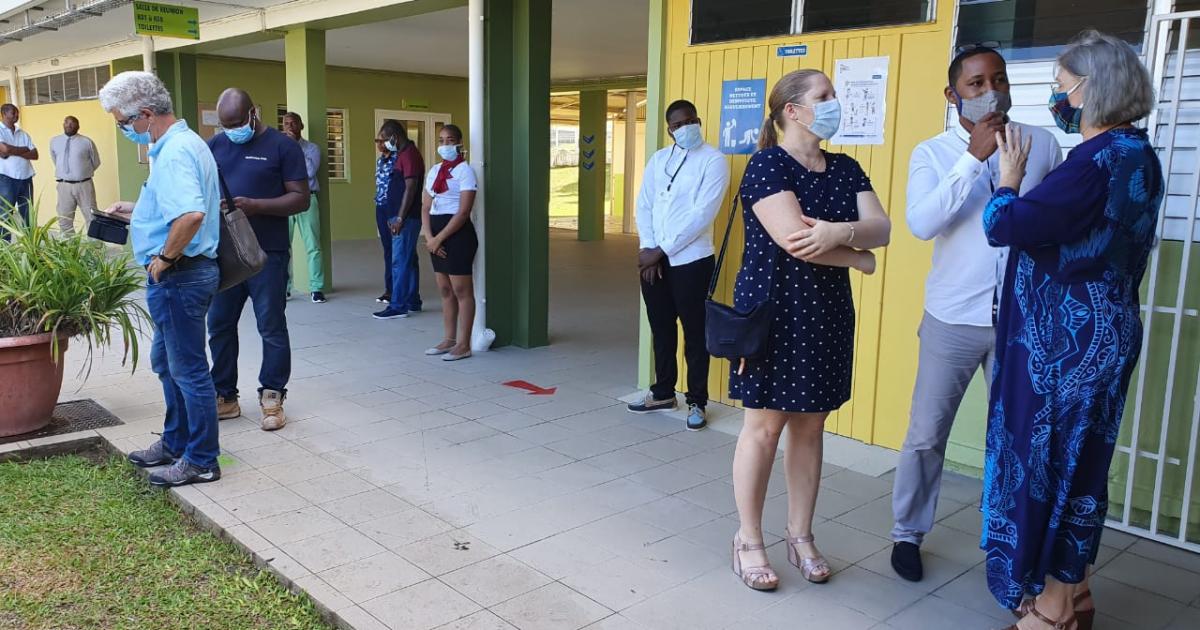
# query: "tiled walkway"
409,494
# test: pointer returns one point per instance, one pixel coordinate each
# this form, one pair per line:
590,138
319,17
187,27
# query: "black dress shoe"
906,560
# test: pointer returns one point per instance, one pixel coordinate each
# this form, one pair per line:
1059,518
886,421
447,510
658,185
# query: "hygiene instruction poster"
742,104
861,86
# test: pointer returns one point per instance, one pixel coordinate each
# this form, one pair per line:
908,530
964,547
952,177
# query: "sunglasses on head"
989,45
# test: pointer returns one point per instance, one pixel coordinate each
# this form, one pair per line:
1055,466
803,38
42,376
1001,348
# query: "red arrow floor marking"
531,388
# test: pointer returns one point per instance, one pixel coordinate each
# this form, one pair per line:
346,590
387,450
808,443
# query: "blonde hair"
790,89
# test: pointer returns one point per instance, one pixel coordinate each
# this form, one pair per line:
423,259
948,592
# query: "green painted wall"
360,92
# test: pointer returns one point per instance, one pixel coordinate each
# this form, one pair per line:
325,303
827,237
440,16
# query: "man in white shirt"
75,162
16,171
951,180
681,193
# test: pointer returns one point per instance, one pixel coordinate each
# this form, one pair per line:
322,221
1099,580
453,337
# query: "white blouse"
462,178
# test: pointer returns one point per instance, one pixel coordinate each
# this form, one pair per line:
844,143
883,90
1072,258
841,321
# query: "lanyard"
668,173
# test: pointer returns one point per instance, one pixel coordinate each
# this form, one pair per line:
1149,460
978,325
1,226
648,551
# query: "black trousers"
679,297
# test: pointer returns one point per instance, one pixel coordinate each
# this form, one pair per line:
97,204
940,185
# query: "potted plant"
52,290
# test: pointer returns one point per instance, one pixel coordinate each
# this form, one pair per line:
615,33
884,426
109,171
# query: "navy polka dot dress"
809,363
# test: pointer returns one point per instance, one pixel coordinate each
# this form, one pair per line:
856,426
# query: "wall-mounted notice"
742,104
861,86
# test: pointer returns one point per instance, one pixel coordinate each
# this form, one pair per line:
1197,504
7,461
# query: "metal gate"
1153,483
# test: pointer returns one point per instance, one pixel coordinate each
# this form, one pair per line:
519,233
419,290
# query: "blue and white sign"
798,50
742,105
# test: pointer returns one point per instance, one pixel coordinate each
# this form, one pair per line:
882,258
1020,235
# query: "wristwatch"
166,259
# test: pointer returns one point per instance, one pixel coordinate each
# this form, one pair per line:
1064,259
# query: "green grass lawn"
564,191
92,546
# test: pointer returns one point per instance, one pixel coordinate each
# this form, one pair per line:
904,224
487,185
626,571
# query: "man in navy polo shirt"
267,176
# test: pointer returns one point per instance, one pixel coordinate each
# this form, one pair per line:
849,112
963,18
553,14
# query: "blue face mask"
390,146
1066,116
827,118
134,136
448,152
243,134
689,137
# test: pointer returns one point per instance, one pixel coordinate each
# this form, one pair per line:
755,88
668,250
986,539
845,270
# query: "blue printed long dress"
1067,340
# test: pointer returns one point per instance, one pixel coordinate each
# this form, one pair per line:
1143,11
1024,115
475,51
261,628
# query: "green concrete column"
178,73
304,65
517,176
593,136
656,104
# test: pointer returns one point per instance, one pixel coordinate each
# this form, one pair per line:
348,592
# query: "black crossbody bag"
728,332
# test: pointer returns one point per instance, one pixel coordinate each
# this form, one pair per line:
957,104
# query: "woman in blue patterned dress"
1068,333
809,215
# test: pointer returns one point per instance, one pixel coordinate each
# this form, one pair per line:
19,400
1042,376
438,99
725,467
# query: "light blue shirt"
183,179
16,167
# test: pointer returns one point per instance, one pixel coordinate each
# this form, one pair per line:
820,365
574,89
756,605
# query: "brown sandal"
1069,624
1084,618
761,578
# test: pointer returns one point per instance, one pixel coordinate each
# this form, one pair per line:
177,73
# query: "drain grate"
69,417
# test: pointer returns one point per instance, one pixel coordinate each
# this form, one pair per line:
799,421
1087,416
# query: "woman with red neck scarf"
450,237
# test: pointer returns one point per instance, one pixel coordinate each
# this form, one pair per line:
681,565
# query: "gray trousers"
949,356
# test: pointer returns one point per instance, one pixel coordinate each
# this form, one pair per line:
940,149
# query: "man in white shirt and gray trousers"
682,190
75,162
951,180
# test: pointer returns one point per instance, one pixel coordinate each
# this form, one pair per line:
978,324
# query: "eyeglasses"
988,45
128,121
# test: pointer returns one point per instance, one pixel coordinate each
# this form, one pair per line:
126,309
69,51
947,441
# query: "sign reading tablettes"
166,20
742,104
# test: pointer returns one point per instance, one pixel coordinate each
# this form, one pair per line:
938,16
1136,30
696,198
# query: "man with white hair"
174,229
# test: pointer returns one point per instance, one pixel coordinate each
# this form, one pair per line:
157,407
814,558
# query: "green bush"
69,286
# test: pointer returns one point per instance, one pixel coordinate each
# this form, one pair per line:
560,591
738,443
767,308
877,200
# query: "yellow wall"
43,122
889,303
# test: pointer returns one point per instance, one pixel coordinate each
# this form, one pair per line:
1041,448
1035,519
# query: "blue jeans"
406,276
14,192
267,291
177,305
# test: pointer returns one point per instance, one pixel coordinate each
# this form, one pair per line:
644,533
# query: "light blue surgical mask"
390,146
243,134
448,152
133,135
689,137
827,118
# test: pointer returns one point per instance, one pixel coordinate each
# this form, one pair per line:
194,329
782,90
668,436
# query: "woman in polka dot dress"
810,216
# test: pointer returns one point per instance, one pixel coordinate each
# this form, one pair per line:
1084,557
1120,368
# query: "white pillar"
148,53
481,336
627,220
16,90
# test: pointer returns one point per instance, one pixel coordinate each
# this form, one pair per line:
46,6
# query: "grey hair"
133,91
1118,89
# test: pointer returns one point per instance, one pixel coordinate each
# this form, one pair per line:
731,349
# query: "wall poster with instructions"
861,86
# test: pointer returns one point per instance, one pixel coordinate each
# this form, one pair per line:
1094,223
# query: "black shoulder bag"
728,332
239,255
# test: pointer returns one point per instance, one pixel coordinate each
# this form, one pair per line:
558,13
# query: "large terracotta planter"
30,380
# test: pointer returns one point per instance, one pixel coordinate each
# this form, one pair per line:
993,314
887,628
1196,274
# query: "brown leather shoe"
228,409
271,403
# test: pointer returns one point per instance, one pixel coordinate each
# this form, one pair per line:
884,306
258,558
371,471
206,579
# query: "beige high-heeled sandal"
815,570
762,578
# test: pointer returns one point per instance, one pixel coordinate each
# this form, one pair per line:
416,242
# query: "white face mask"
448,152
689,137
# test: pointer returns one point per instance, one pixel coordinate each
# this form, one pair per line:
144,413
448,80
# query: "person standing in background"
16,171
75,162
404,224
265,172
951,178
681,193
309,221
